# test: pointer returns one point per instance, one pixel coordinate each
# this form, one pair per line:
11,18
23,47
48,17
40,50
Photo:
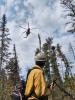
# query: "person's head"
40,59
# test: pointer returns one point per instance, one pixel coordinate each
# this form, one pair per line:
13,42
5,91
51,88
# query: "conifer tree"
5,41
64,59
50,52
46,48
69,78
13,68
69,5
4,53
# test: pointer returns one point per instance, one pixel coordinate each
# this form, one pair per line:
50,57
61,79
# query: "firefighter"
35,83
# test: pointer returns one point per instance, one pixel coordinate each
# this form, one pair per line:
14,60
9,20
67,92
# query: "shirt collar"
37,67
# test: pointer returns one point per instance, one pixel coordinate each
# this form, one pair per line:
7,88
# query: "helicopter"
28,30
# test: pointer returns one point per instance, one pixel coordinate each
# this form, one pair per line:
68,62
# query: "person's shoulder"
36,67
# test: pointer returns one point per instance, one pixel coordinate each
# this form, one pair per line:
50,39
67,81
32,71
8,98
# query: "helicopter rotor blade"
25,37
35,28
22,27
24,32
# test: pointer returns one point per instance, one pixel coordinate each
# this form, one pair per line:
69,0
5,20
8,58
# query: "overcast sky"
47,16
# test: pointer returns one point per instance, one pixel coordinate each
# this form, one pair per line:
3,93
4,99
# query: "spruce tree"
4,53
65,60
5,41
69,5
13,68
50,52
46,49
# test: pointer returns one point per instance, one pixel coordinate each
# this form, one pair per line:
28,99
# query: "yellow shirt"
35,80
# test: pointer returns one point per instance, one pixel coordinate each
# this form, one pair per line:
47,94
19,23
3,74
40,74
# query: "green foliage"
5,41
69,84
13,68
9,80
65,60
46,49
7,90
50,52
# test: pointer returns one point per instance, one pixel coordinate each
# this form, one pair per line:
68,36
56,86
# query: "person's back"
35,86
